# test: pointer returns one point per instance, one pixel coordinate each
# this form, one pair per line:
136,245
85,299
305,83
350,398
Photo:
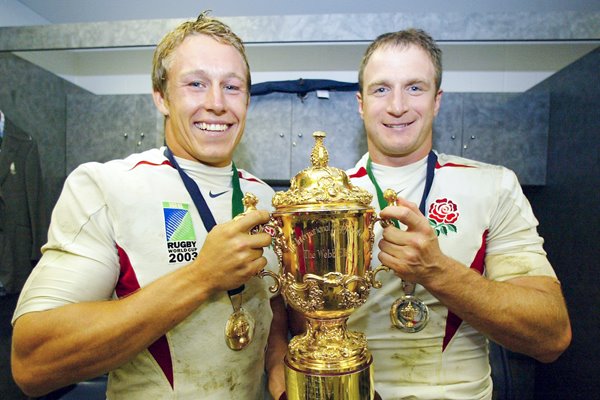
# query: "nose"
215,100
398,104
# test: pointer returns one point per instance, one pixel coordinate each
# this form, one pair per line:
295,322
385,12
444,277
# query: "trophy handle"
277,285
391,198
371,276
273,228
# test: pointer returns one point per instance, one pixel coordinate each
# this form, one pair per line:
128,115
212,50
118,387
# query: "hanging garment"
302,86
23,219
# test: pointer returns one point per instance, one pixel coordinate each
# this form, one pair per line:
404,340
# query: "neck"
180,152
398,161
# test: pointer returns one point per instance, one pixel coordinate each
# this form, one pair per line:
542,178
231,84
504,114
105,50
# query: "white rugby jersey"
120,225
477,209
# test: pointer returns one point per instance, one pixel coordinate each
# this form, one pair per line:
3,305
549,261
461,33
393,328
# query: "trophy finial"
321,184
250,201
390,196
319,156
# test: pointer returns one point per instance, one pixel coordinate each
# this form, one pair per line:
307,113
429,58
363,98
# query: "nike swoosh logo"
213,195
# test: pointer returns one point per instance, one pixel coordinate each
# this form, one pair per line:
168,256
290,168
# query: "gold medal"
239,329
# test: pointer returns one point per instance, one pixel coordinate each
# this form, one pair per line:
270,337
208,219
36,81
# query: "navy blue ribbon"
208,220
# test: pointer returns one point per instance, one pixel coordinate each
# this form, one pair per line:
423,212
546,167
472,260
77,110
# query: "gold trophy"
323,235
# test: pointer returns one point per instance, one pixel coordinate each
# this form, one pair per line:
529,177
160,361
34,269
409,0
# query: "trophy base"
355,385
284,396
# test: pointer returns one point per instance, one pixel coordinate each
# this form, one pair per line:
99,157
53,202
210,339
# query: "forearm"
75,342
78,341
526,315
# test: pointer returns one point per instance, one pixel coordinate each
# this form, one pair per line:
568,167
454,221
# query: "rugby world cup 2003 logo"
181,237
443,213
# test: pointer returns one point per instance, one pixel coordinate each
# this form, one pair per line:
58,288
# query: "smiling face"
398,103
205,101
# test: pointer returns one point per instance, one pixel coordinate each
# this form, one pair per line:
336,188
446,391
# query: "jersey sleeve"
514,247
80,261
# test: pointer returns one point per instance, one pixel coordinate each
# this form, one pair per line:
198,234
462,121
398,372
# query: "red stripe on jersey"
165,162
128,284
241,176
438,165
453,321
479,260
360,173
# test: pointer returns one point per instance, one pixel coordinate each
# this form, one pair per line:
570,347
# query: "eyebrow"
385,82
203,72
381,82
419,82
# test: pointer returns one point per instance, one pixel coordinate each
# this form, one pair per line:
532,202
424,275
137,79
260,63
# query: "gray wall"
567,208
34,101
103,128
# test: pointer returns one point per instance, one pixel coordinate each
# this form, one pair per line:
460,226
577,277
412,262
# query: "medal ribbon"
237,206
431,162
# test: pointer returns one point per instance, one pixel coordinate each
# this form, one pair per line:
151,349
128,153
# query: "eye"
380,90
414,89
197,84
232,88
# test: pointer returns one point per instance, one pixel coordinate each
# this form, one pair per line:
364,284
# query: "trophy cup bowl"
323,236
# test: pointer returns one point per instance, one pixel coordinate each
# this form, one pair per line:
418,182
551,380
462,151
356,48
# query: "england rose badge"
443,213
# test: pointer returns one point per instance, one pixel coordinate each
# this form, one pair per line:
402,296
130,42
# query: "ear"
360,104
438,102
160,102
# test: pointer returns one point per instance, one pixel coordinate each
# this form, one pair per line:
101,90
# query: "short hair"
403,39
203,25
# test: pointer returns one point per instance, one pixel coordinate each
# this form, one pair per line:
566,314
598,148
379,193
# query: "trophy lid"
321,185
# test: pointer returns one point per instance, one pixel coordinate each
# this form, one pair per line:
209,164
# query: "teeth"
397,125
211,127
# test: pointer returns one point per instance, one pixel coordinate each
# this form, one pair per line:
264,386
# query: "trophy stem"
328,346
329,362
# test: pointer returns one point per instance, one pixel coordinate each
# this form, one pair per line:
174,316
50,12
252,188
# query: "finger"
385,245
396,212
249,220
259,240
401,201
392,263
244,254
408,214
258,265
395,246
252,267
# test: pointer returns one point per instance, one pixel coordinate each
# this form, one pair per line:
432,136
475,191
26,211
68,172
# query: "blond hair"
203,25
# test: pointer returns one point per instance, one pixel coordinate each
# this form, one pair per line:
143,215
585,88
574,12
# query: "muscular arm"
525,314
75,342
